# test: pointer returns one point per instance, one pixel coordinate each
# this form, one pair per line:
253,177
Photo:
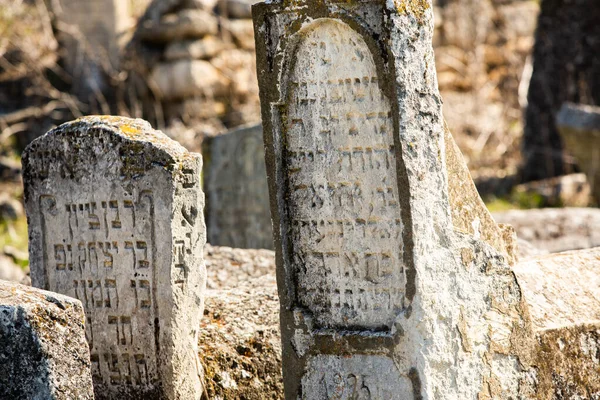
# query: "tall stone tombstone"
237,196
383,294
115,220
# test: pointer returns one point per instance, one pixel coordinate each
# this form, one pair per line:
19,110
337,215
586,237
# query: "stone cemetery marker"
377,276
237,195
43,352
579,127
115,220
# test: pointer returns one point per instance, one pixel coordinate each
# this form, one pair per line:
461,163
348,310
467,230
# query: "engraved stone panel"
357,377
235,183
115,220
343,207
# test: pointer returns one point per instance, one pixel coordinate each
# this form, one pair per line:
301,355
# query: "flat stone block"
43,351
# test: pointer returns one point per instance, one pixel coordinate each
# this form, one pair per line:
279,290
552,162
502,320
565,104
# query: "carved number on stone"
351,388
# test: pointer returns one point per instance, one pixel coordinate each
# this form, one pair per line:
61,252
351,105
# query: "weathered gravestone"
386,290
92,33
43,352
579,127
237,195
115,220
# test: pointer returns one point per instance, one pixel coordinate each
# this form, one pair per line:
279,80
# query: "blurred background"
505,68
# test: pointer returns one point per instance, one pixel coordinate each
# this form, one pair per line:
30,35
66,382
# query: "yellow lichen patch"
417,8
129,129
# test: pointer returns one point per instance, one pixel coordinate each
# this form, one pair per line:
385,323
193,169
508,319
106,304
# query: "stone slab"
237,195
555,229
43,351
115,220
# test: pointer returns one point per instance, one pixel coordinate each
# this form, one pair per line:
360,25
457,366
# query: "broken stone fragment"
43,351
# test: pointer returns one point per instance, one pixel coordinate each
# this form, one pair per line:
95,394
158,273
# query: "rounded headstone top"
130,129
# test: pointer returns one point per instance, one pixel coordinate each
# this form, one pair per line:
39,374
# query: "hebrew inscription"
115,214
343,207
103,255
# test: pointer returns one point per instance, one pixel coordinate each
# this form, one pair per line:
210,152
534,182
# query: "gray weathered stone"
187,24
384,292
43,352
579,127
200,49
237,195
555,229
188,78
9,271
115,220
563,297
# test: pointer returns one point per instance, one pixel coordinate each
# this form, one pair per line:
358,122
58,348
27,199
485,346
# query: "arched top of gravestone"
94,141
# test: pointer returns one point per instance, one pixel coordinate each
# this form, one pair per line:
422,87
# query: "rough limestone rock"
469,213
43,352
566,61
579,127
237,195
571,190
187,24
188,78
555,229
562,292
240,345
229,268
115,220
9,271
200,49
381,295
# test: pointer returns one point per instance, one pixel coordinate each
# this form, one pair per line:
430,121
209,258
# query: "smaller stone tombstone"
235,182
43,352
579,127
115,220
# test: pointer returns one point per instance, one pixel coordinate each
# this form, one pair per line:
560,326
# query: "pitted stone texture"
237,195
43,351
115,220
562,293
391,283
